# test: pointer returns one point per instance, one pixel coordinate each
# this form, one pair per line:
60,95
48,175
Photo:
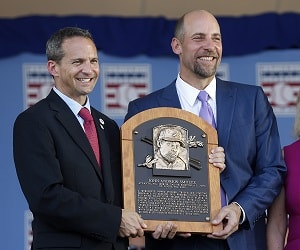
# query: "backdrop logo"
37,83
123,83
281,83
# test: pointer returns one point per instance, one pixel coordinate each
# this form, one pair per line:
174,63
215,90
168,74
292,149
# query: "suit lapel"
169,97
72,126
105,157
226,103
226,98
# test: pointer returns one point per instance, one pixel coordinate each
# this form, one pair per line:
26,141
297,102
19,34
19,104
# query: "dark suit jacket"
74,205
247,129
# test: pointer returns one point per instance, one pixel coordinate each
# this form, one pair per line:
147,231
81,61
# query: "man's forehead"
201,23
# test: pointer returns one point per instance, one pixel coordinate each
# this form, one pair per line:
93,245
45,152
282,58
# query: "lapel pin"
101,123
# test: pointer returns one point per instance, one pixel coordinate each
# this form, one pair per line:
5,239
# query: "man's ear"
51,65
176,46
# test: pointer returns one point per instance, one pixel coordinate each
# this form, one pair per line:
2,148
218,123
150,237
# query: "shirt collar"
73,105
189,93
211,89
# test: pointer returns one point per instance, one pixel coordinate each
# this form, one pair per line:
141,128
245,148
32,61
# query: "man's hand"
168,231
230,217
132,224
165,231
217,158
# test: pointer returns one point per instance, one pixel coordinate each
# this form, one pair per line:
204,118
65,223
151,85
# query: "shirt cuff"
243,218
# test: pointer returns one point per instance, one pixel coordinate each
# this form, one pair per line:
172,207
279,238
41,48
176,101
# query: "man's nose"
87,67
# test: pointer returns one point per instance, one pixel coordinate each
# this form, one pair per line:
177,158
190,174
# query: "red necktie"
207,114
90,131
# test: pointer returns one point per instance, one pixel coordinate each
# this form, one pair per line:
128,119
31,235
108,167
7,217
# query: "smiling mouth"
84,80
206,58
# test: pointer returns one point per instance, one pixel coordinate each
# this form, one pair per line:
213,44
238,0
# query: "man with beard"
247,130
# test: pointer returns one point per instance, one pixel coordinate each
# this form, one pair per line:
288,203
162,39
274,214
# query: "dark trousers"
195,242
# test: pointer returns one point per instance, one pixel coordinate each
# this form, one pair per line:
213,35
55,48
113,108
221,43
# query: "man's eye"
217,38
198,38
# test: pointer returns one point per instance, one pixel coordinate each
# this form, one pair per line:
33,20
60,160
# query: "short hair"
54,49
179,31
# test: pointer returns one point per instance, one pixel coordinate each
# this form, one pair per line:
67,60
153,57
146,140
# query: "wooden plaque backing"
129,167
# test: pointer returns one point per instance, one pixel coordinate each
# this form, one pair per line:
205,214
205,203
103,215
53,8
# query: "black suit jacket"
74,204
247,130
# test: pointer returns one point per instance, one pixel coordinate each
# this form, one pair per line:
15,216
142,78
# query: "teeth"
207,58
84,79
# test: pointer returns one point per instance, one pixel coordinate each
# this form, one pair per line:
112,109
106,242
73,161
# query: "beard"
204,72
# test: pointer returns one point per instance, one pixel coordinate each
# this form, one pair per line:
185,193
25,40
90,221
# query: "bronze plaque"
166,173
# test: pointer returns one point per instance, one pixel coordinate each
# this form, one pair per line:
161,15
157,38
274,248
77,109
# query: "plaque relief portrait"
170,147
171,151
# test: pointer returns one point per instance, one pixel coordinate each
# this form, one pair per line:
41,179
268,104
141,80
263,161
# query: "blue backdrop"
150,36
